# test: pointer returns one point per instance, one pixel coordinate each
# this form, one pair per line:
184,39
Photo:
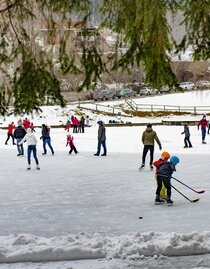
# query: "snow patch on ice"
134,246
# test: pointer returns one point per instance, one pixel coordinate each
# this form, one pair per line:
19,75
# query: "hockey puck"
140,217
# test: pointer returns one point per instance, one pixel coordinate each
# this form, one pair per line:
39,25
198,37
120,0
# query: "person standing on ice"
46,139
165,171
148,139
31,142
71,144
204,124
10,129
187,143
19,133
101,139
165,156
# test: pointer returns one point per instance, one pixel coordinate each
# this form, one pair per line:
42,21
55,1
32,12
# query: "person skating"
165,171
82,125
187,143
149,137
10,129
68,126
101,139
75,123
31,142
32,127
204,124
71,144
46,139
165,156
19,133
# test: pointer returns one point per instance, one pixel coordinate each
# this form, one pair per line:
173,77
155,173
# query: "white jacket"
29,138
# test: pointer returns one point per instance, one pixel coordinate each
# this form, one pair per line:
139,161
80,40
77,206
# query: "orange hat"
165,154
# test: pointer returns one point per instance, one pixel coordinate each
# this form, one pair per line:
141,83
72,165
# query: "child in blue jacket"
165,171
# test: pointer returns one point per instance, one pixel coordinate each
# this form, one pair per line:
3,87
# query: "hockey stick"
192,201
188,186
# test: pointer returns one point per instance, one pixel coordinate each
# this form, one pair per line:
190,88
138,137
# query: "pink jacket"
203,123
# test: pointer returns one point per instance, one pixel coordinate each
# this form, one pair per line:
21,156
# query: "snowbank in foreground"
134,246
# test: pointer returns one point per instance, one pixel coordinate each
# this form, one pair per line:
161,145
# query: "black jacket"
166,169
19,132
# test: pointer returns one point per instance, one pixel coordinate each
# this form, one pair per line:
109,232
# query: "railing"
173,108
107,109
131,103
145,107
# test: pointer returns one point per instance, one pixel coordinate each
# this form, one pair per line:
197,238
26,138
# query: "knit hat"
20,123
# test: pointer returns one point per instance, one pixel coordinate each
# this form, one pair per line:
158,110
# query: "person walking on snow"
101,139
31,142
46,139
204,124
70,142
10,129
148,139
165,156
165,171
187,143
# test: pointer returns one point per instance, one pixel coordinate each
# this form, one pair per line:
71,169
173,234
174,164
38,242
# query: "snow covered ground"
82,211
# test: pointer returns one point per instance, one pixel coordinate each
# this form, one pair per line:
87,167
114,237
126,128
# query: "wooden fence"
145,107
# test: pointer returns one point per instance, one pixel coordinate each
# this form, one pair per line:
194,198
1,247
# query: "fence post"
151,108
195,110
96,107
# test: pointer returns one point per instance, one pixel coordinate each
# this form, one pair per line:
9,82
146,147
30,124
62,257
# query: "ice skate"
29,167
169,202
158,200
37,167
141,167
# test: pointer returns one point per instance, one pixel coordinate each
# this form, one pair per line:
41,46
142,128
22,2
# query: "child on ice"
71,144
165,171
187,143
164,158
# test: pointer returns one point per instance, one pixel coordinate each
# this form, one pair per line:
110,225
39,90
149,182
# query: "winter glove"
160,147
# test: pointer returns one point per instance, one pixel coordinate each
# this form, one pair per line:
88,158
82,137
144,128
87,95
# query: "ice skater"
148,139
187,143
71,144
204,124
31,142
165,156
165,171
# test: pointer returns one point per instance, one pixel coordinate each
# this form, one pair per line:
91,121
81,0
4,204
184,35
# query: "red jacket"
203,123
69,141
11,128
156,163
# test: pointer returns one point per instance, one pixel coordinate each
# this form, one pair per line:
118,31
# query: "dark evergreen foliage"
27,69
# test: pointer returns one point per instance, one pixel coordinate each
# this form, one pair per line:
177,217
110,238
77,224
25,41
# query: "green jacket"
149,137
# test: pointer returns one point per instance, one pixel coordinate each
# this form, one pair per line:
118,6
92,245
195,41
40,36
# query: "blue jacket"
166,169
